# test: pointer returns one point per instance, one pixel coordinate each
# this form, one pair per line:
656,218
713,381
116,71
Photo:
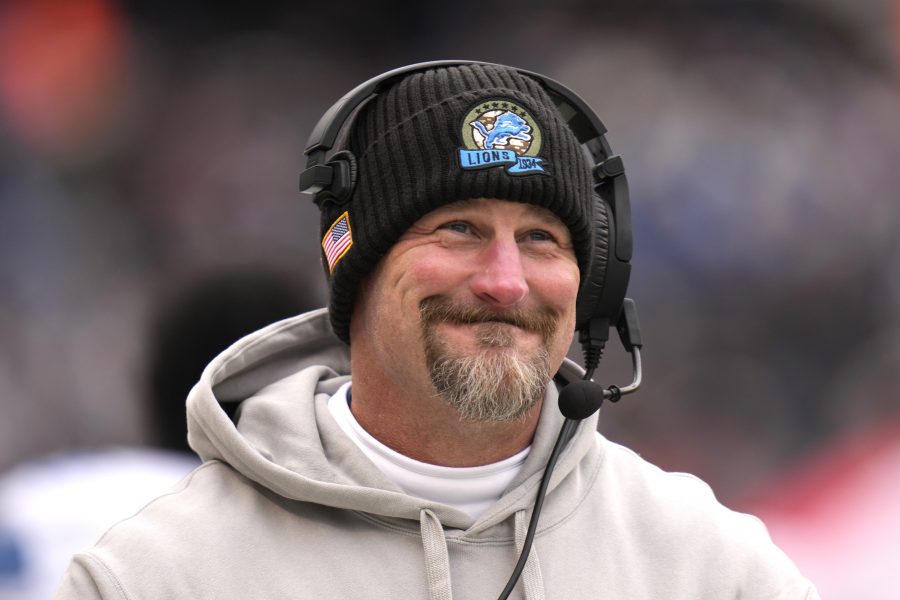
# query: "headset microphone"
581,399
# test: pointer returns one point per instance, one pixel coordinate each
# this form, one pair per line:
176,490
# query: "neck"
413,420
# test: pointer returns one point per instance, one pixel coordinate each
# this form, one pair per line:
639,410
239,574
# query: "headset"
601,301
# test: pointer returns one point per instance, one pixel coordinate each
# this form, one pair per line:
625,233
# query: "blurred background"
149,216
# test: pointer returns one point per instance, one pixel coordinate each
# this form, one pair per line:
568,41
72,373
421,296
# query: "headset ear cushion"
591,291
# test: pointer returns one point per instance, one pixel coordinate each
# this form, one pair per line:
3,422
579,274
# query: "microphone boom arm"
614,393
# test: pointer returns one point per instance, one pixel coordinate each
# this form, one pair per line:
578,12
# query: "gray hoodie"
285,505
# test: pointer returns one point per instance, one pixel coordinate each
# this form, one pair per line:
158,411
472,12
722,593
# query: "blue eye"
540,236
458,227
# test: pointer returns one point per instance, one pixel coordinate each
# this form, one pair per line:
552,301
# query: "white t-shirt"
471,489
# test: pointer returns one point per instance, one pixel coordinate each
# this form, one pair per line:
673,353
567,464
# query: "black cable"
565,433
593,341
593,352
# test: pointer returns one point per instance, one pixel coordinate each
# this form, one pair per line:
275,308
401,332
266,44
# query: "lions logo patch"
500,132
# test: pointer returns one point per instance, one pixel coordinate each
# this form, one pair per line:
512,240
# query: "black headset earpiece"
600,299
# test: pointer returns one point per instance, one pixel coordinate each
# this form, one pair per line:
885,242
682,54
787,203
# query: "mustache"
438,309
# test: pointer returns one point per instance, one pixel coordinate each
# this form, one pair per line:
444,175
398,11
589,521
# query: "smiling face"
475,303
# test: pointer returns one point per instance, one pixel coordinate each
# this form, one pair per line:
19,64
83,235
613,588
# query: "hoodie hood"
258,518
287,441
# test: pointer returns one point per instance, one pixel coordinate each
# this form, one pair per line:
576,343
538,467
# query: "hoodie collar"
287,440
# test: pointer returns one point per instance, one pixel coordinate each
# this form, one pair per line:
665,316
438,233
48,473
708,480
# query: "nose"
500,280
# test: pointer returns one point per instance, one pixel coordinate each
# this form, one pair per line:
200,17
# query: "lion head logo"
501,132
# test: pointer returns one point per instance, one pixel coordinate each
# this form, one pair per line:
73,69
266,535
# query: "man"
393,445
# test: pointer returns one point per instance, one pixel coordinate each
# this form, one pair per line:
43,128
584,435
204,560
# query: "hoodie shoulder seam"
181,487
107,571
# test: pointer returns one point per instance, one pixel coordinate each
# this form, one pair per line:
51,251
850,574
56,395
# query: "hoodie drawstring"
532,581
437,561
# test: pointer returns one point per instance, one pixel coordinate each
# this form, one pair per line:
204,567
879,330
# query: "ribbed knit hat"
441,135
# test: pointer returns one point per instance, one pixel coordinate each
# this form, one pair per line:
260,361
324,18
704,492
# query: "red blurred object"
838,514
61,69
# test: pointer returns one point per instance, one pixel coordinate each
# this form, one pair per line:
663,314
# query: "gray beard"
497,384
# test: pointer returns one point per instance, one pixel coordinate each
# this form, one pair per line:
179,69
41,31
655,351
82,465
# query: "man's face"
476,303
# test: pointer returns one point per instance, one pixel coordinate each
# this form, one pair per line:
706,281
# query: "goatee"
500,383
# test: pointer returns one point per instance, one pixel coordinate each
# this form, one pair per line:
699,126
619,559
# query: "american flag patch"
337,241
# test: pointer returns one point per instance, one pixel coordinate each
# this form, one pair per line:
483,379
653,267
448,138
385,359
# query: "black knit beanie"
442,135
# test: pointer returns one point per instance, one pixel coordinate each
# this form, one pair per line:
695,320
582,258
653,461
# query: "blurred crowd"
149,155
